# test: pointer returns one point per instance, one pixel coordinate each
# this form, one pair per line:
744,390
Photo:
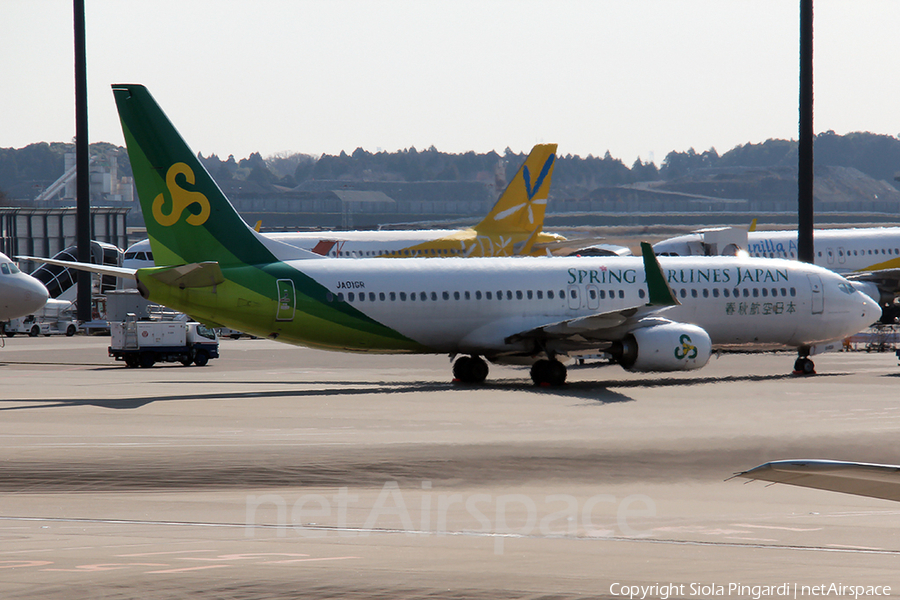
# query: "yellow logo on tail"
181,199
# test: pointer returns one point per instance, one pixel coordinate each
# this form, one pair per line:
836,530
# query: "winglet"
658,289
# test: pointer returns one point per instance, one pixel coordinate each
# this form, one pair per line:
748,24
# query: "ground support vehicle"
145,343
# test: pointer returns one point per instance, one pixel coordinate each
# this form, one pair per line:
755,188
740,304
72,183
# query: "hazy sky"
635,77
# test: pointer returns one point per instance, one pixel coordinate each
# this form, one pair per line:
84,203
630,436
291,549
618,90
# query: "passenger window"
755,292
329,297
477,295
351,296
641,293
423,296
488,296
694,293
529,294
466,295
715,292
573,293
540,294
518,294
508,294
381,296
593,294
705,293
603,294
684,293
340,296
403,296
455,295
725,293
372,296
550,294
446,295
765,293
793,292
393,296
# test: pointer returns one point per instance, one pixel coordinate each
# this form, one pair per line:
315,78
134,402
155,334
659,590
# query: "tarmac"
285,472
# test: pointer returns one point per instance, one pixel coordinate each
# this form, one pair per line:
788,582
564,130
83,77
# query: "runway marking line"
185,569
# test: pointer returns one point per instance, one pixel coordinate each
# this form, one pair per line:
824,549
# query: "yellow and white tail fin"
520,208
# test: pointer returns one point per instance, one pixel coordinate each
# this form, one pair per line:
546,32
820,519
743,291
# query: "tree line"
37,165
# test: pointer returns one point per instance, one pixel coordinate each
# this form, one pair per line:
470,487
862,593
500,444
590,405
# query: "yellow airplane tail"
520,209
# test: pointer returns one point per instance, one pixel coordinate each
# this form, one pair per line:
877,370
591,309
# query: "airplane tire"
548,372
470,369
804,366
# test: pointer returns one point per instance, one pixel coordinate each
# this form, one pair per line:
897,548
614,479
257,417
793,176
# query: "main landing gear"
803,365
470,369
548,372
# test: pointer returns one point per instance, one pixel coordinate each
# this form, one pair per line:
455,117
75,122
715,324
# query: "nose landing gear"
803,365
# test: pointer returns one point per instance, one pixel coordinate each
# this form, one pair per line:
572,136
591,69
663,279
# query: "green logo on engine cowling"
687,349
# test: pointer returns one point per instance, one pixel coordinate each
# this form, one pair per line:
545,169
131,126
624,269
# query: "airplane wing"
592,330
887,280
122,272
861,479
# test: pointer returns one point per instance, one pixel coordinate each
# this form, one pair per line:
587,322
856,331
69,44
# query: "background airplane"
513,227
868,256
214,267
20,293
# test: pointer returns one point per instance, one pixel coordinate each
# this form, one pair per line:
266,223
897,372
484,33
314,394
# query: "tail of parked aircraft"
521,207
191,220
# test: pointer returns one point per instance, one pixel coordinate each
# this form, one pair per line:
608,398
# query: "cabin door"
818,294
286,300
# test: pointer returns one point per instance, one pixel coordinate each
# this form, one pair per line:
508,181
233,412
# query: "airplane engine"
665,347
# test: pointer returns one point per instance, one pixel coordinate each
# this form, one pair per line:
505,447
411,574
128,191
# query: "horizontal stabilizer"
194,275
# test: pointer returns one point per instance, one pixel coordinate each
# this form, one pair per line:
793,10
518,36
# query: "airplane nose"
870,311
35,293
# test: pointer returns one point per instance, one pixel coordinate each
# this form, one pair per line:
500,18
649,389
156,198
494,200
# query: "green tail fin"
521,207
188,218
659,292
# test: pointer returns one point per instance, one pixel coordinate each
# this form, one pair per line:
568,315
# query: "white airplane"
861,479
527,310
20,293
868,256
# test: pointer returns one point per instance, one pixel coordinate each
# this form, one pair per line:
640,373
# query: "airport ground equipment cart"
145,343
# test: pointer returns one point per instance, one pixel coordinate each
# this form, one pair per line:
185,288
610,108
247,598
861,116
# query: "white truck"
145,343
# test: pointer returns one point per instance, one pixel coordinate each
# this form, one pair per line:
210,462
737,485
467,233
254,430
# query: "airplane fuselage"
474,306
842,250
414,243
